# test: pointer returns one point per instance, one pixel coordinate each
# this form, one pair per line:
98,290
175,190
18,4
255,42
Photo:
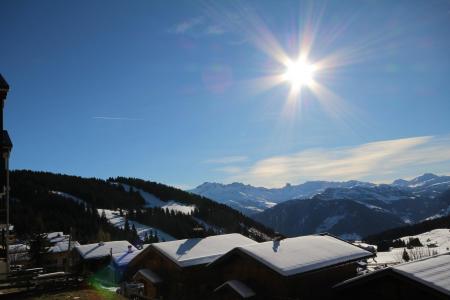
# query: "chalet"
19,254
120,262
428,278
92,257
177,269
305,267
58,256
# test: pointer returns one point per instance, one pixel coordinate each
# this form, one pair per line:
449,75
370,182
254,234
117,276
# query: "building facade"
305,267
6,147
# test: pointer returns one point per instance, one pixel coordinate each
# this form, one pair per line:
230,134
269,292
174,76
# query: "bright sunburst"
299,73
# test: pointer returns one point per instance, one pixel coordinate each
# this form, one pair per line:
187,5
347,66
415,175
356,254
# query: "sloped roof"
149,275
6,143
124,258
239,287
52,235
297,255
63,246
190,252
99,250
432,271
3,84
18,248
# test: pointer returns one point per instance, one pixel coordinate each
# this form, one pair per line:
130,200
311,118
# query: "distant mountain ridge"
350,209
249,199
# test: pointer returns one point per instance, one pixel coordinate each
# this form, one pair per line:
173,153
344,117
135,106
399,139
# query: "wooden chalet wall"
178,283
268,284
390,286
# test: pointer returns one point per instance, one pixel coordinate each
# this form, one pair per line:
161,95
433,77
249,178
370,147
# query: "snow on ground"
207,226
437,237
150,200
177,207
153,201
435,242
444,212
115,219
69,196
329,222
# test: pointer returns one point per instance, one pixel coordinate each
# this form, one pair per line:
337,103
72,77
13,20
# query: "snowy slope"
383,192
68,196
428,184
118,221
435,242
152,201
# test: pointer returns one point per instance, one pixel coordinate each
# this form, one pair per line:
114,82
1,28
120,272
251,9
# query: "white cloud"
377,161
186,26
226,159
214,30
197,27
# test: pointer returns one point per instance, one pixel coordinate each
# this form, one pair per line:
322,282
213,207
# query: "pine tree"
39,246
405,255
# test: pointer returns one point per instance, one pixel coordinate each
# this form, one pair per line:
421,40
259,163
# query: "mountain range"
249,199
350,209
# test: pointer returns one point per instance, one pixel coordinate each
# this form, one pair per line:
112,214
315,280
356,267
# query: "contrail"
118,118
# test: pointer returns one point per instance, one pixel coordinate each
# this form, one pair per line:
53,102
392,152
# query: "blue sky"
177,91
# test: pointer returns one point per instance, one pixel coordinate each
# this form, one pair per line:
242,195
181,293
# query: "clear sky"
184,92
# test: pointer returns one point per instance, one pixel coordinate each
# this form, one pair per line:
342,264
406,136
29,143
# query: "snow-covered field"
69,196
207,226
434,242
153,201
115,219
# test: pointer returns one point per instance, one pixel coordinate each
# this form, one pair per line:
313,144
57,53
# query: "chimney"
129,249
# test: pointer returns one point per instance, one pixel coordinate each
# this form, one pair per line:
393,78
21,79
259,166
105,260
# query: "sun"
299,73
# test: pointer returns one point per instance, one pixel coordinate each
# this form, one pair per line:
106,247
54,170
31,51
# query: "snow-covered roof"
297,255
124,258
190,252
240,288
19,256
149,275
52,235
18,248
63,246
102,249
432,271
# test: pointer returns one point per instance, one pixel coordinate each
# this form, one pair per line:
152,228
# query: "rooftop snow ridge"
196,251
432,271
297,255
102,249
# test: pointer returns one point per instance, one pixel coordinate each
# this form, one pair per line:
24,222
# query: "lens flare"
299,73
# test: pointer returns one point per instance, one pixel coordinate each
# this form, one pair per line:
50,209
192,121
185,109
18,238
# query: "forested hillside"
219,215
44,202
386,239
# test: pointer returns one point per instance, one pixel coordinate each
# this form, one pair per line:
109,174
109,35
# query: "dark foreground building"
305,267
428,278
177,269
6,146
